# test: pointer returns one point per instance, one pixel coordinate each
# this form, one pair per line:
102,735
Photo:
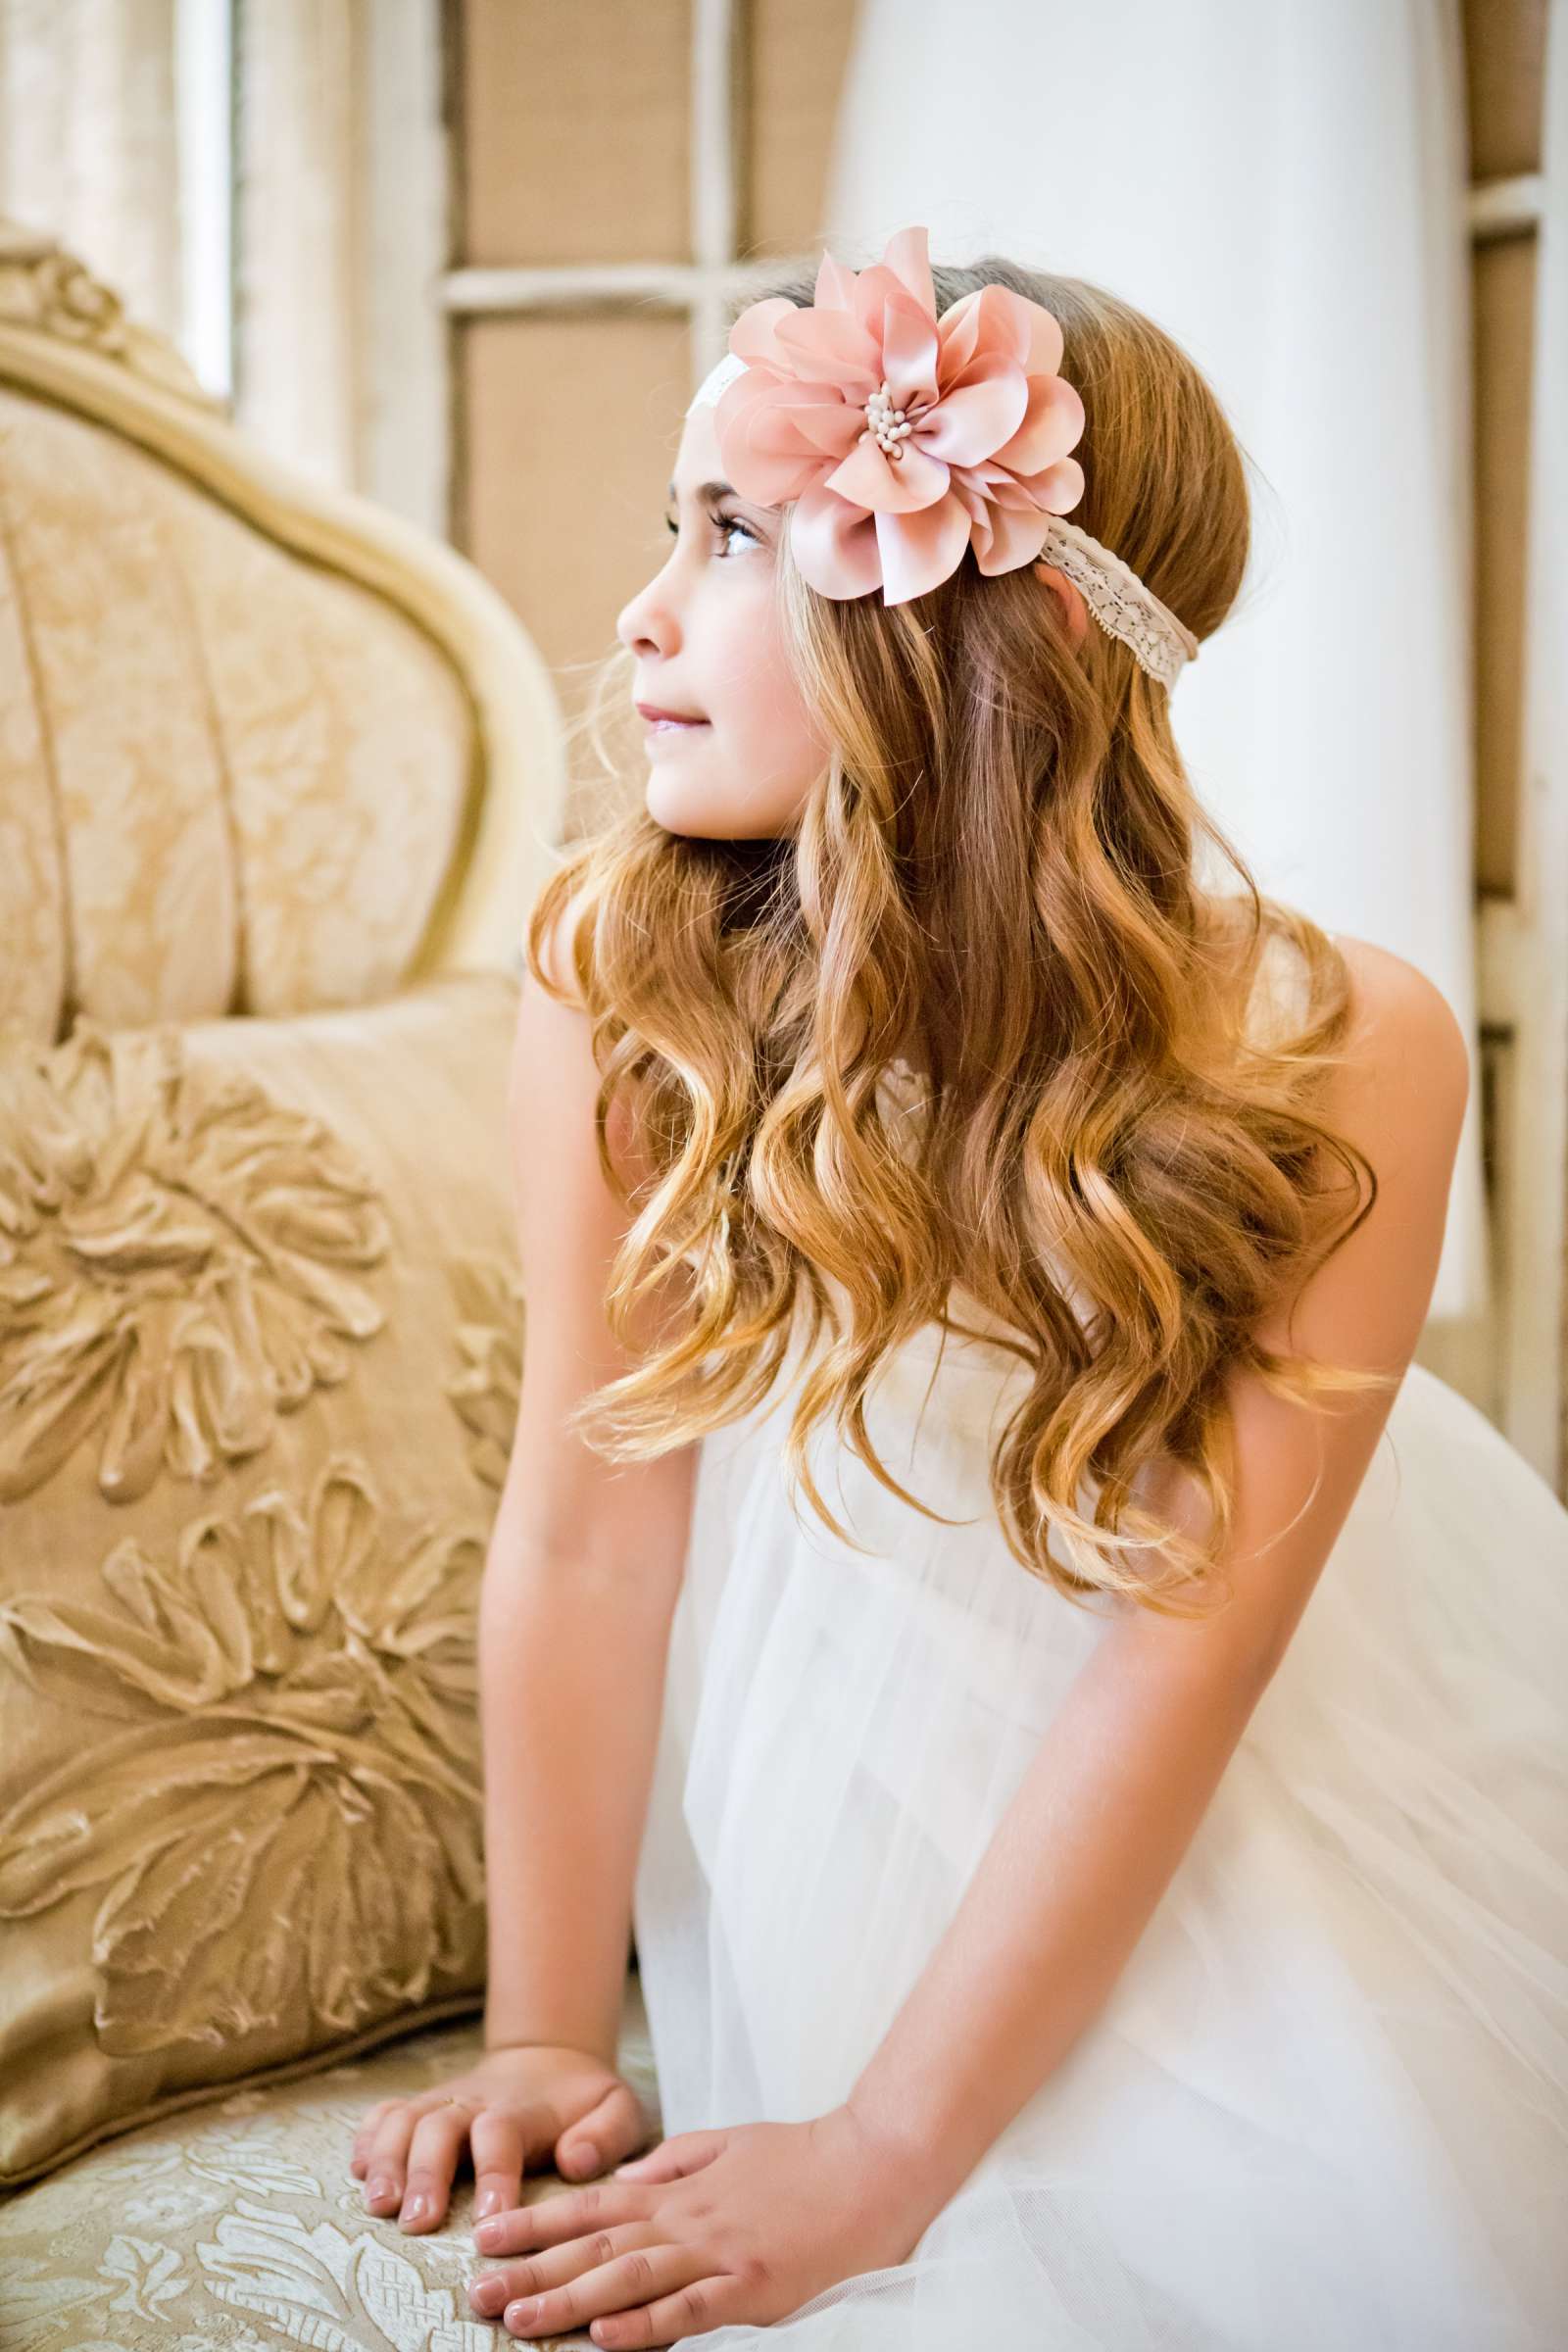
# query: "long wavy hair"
999,861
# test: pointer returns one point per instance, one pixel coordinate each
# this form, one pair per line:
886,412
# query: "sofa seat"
237,2223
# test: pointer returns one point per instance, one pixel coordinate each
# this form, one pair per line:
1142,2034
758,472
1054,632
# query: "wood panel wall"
1504,1363
571,131
1504,51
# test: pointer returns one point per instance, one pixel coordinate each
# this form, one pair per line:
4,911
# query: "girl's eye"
724,523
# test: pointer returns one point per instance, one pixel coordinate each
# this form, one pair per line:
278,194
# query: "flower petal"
751,337
919,550
768,435
1010,537
975,419
835,285
829,347
1051,424
876,289
787,419
908,256
1059,489
870,477
995,321
834,545
908,354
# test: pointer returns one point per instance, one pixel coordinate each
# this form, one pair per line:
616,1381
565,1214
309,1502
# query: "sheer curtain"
260,189
90,147
1283,189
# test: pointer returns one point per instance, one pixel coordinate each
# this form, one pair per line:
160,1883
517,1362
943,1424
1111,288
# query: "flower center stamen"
885,425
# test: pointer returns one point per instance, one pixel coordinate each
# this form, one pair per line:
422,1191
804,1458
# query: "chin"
685,815
681,808
681,811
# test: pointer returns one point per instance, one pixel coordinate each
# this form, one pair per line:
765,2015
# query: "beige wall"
571,139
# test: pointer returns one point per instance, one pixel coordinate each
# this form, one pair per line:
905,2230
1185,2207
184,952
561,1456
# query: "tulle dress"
1326,2104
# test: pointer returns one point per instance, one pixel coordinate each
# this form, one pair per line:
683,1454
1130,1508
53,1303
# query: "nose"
647,623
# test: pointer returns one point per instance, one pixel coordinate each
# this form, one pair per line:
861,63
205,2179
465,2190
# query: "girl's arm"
1121,1781
581,1576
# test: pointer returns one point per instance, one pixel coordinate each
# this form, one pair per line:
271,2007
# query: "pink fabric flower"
901,437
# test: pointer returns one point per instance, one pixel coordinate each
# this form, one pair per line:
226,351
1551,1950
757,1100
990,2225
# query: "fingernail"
488,2294
523,2314
489,2200
585,2157
381,2188
490,2232
417,2206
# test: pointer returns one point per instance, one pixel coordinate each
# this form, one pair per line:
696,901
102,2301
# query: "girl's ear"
1070,598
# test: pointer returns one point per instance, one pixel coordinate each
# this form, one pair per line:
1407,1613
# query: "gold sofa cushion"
240,2224
260,1348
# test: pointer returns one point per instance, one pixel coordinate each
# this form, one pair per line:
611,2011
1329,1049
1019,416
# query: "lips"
657,717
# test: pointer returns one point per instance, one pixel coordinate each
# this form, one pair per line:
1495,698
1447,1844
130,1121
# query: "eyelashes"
725,525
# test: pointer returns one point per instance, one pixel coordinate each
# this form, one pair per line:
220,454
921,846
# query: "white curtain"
1282,188
300,73
115,121
89,152
106,129
342,170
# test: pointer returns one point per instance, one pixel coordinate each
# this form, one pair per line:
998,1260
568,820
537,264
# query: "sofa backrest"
263,748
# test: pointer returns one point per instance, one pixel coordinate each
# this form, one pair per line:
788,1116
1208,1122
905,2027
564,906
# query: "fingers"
608,2131
571,2284
569,2213
440,2135
367,2133
386,2155
500,2139
673,2159
407,2149
694,2309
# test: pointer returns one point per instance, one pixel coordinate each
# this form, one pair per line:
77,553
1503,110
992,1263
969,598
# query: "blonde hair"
1004,841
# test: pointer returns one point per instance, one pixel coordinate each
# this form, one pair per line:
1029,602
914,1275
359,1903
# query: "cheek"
764,709
746,777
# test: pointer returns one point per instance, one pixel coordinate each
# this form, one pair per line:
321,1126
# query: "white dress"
1326,2105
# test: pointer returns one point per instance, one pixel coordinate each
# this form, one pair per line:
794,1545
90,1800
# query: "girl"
1072,1712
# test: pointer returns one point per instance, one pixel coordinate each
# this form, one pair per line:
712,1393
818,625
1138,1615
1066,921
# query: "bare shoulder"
553,1056
1407,1055
1406,1049
1396,1095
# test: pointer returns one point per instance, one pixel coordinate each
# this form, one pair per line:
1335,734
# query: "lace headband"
903,439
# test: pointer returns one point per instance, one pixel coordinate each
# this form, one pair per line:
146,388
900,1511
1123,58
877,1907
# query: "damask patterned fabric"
238,2223
261,1335
229,779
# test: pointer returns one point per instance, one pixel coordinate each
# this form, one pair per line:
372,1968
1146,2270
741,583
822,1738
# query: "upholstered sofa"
278,779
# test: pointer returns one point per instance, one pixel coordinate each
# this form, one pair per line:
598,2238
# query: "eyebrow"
704,490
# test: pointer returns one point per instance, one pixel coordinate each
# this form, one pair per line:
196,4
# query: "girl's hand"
739,2225
530,2103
